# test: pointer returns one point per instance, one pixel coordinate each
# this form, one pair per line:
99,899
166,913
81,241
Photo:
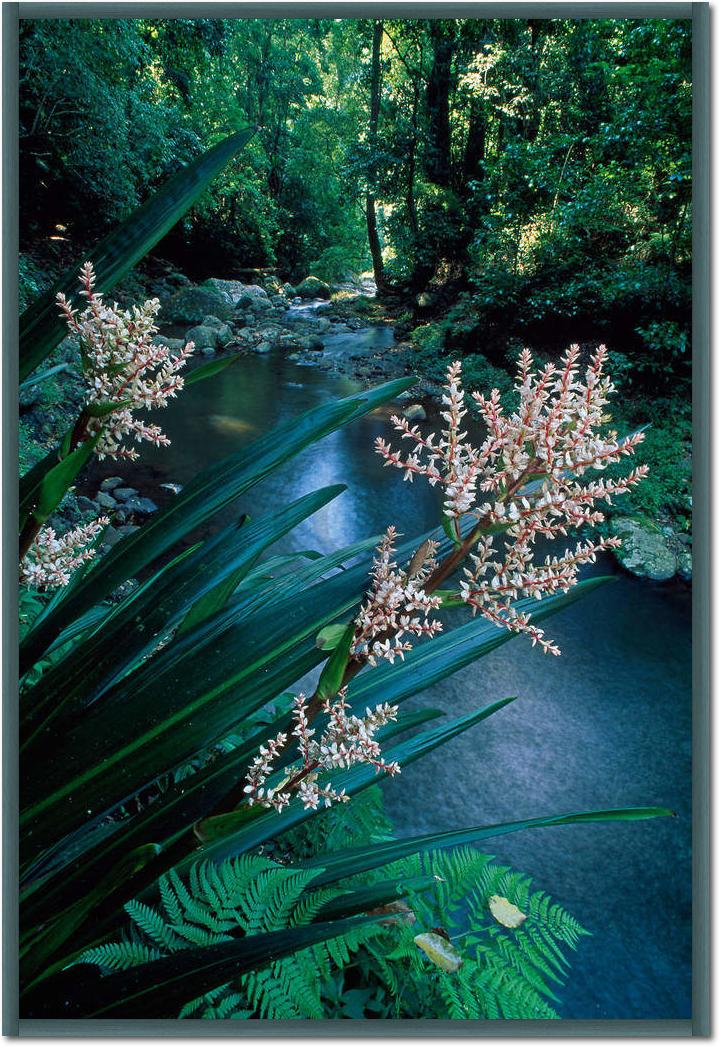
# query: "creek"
607,724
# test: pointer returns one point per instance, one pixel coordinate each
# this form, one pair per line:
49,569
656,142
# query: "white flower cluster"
450,461
123,367
346,740
52,559
531,462
396,605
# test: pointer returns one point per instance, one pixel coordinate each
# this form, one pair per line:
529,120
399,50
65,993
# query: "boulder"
105,500
312,344
111,482
224,331
174,488
245,337
263,348
127,528
233,291
191,304
272,284
87,505
110,537
289,290
644,551
203,337
279,301
243,295
258,305
124,493
311,287
139,506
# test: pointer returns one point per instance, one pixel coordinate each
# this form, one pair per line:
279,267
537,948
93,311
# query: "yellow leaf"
439,951
505,912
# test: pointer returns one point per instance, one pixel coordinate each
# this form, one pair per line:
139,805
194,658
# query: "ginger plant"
124,371
532,477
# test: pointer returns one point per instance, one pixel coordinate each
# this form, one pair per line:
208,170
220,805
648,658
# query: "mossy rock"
224,331
644,551
203,337
192,304
311,287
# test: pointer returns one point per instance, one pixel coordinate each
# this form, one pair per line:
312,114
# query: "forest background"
508,182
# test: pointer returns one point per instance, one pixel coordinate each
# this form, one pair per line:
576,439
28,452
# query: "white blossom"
52,559
122,367
532,465
346,740
396,605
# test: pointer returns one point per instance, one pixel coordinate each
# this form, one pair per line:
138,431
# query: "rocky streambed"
313,330
312,325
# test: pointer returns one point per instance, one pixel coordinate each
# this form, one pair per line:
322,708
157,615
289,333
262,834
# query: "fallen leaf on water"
505,912
439,951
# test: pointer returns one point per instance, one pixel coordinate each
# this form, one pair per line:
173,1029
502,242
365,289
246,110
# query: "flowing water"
607,724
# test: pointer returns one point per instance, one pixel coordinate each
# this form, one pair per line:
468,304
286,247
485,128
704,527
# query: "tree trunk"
411,165
439,166
475,146
375,246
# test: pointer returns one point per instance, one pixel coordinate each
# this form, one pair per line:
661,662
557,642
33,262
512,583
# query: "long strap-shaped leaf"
159,988
344,863
431,662
182,700
211,491
41,328
96,887
271,824
131,632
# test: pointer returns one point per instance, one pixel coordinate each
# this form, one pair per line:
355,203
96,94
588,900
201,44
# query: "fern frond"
120,955
153,925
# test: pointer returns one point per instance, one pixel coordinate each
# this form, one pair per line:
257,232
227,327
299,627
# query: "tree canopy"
537,170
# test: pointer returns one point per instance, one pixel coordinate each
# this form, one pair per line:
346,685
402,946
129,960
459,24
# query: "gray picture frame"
699,1024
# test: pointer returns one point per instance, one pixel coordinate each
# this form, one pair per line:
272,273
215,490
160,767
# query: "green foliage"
530,178
249,895
505,973
666,493
160,91
371,971
361,822
478,374
41,325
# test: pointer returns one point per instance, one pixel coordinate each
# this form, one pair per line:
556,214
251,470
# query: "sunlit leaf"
506,913
439,951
